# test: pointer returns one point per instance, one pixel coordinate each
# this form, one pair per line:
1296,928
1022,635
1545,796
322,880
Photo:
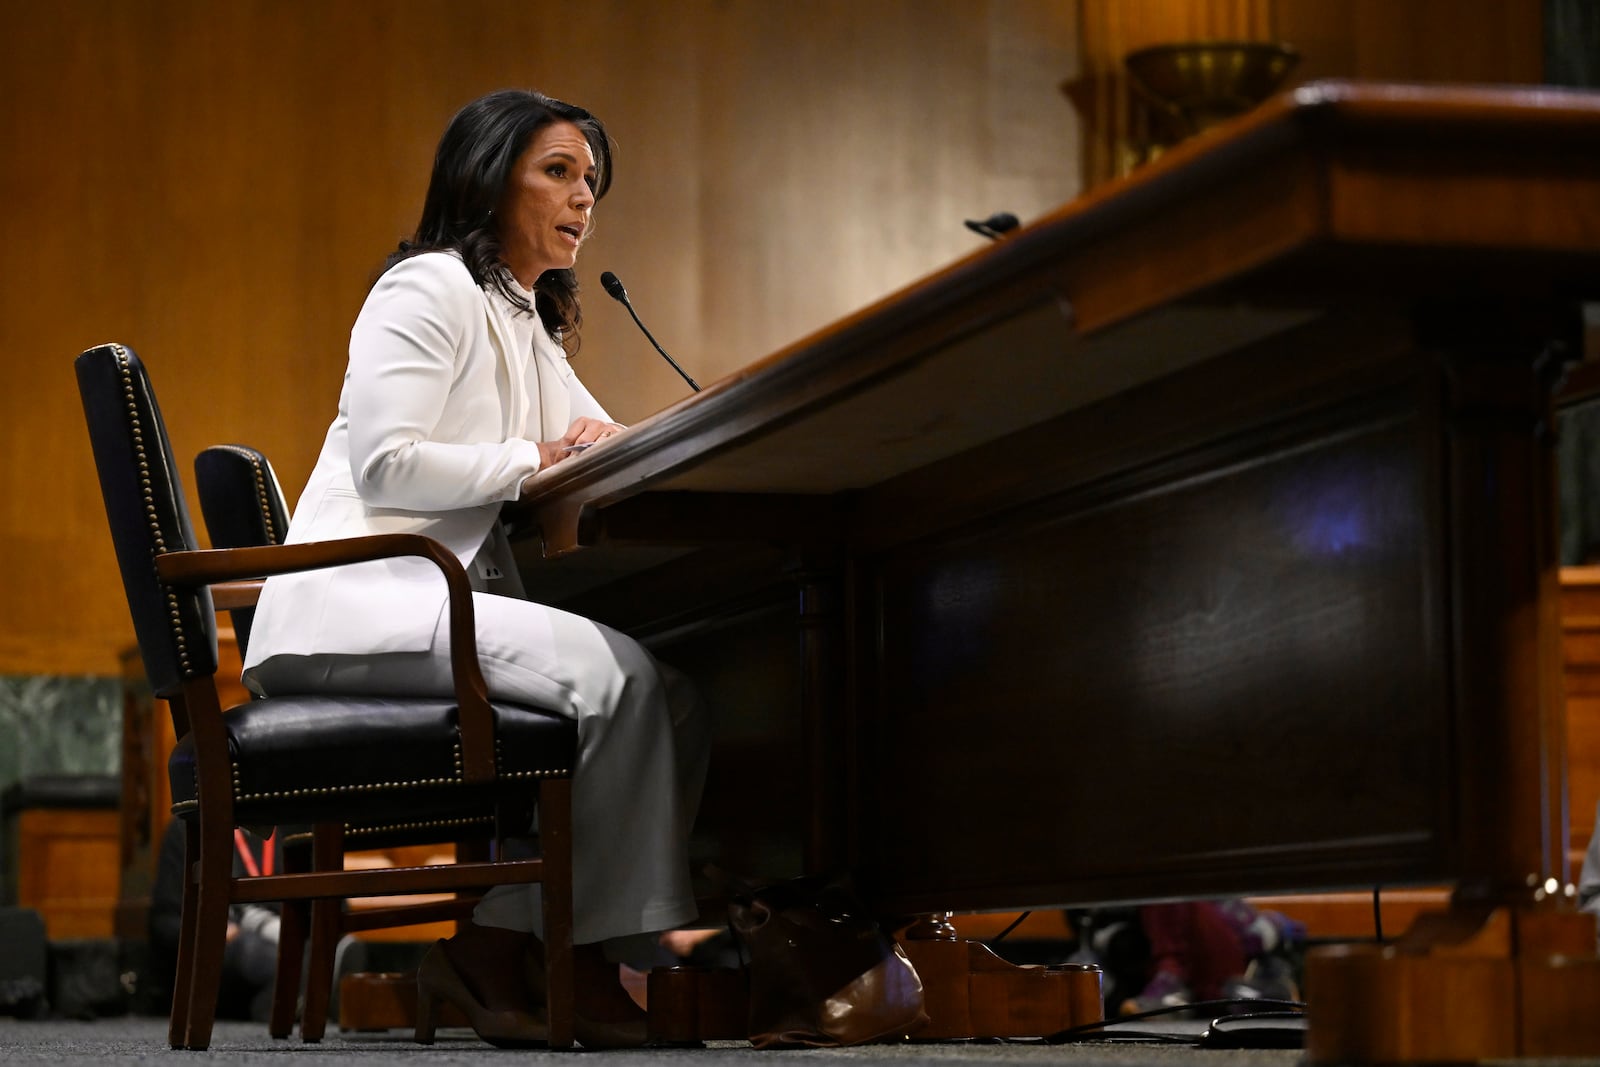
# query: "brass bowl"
1201,83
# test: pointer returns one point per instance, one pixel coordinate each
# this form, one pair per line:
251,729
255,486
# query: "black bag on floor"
23,963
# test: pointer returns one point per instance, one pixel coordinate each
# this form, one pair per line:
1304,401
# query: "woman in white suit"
458,391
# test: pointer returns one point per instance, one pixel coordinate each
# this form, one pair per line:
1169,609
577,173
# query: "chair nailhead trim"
354,832
416,783
424,824
189,805
262,501
137,431
329,790
499,756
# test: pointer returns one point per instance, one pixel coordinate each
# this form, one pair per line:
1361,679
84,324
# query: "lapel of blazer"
554,403
514,408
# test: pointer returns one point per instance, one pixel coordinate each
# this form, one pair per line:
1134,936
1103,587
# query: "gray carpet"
132,1040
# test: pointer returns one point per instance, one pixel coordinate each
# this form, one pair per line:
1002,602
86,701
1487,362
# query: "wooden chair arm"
208,566
230,596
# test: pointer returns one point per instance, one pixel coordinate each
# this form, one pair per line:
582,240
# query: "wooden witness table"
1196,539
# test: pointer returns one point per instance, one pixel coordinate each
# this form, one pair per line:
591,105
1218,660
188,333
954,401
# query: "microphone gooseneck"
995,226
614,289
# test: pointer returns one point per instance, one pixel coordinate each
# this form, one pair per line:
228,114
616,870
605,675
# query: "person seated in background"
250,959
1214,950
1179,953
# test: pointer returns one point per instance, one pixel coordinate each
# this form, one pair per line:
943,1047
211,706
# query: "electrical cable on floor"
1088,1031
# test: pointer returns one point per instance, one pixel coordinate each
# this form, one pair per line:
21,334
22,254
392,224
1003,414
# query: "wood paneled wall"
214,184
1395,40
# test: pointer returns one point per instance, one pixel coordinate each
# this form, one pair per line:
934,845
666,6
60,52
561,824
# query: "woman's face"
544,212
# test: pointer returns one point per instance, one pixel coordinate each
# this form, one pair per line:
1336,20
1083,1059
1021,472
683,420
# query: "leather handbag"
822,971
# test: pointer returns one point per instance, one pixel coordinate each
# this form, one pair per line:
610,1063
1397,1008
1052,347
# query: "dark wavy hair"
474,162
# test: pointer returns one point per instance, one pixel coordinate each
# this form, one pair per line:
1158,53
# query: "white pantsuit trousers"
643,741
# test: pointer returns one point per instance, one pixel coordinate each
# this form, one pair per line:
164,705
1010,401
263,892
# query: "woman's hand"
583,432
580,435
586,431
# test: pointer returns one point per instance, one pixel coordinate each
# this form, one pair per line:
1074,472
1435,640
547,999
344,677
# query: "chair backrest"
240,497
243,507
139,483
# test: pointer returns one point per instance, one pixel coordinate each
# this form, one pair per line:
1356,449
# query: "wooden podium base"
386,1000
968,992
1461,985
971,992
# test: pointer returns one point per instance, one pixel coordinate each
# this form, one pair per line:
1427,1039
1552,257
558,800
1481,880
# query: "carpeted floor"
142,1040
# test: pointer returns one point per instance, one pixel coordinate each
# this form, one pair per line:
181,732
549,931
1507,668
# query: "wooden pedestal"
386,1000
968,992
1462,985
971,992
66,869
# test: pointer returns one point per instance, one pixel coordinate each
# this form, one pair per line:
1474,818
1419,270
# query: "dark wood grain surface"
1195,539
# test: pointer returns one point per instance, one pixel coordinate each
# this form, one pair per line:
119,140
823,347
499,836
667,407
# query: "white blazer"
437,426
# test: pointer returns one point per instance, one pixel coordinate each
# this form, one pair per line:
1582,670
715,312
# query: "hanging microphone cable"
995,226
613,287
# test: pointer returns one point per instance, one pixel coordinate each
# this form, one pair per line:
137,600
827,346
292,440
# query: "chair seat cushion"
306,758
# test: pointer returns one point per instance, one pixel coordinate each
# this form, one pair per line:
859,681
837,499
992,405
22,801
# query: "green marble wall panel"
55,725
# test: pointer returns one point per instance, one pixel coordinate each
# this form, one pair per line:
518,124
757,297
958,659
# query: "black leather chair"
243,504
309,759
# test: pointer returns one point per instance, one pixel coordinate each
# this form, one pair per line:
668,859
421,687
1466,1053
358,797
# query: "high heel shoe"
438,980
592,1034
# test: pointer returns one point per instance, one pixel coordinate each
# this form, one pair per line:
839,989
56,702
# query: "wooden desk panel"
1194,539
1221,669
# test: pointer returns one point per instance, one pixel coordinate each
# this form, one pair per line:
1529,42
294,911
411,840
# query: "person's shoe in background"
1165,990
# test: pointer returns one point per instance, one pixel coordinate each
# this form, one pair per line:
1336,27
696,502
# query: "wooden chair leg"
327,854
210,937
555,836
325,915
183,980
294,918
291,959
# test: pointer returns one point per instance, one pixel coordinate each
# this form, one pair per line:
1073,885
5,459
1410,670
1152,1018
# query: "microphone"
613,287
995,226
